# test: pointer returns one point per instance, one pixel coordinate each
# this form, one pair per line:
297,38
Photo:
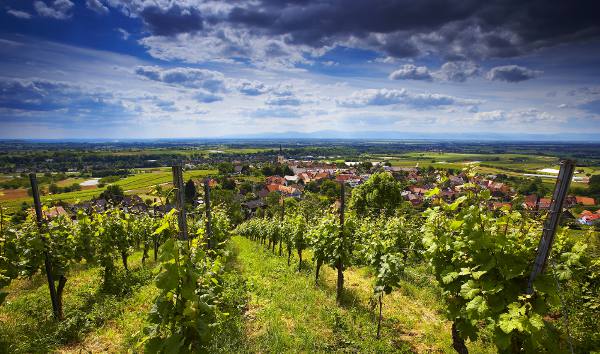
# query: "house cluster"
420,183
304,172
294,185
589,218
129,204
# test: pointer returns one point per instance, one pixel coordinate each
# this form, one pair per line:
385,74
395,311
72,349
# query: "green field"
137,183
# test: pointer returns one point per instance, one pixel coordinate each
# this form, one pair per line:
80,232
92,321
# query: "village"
316,176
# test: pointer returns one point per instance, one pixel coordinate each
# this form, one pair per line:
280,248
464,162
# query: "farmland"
137,183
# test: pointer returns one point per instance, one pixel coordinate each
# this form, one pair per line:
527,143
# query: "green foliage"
220,226
113,193
225,168
329,244
276,170
380,194
185,313
298,228
9,256
330,189
533,186
226,201
483,261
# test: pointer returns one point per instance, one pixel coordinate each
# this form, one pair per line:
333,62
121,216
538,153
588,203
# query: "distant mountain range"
356,135
334,134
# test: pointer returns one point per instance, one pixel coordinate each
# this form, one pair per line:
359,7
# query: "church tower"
280,157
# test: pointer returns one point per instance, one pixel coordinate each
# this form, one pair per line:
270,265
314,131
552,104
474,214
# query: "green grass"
90,313
288,313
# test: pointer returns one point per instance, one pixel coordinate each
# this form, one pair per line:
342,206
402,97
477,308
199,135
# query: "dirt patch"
12,194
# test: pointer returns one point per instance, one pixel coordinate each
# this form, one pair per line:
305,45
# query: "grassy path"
288,313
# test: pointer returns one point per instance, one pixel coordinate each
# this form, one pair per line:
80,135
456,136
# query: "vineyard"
363,273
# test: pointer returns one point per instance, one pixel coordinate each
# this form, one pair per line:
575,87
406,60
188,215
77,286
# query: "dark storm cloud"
407,28
172,20
453,29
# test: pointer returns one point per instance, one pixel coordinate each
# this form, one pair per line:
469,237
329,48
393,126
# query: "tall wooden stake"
180,201
558,198
209,239
1,227
47,263
281,219
340,265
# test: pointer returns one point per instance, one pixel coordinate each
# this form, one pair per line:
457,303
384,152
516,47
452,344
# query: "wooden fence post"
558,198
209,239
180,201
340,265
281,220
47,263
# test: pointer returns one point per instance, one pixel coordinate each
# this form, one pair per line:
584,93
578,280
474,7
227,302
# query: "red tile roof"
585,200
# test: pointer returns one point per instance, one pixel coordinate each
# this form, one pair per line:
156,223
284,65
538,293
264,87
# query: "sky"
202,68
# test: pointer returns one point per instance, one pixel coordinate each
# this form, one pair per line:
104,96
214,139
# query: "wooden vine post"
155,238
1,228
558,198
180,201
47,263
208,217
282,215
340,265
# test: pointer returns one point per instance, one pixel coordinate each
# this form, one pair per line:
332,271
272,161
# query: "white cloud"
18,14
97,6
512,73
411,72
490,116
458,71
230,45
527,116
58,10
212,81
385,97
252,87
124,34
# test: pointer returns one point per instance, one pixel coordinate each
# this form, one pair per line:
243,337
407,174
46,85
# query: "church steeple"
280,157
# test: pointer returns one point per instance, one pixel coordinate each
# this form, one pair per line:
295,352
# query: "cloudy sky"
201,68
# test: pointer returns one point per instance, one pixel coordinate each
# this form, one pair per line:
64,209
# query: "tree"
228,183
245,170
225,168
246,187
330,189
113,193
594,185
190,191
380,194
53,188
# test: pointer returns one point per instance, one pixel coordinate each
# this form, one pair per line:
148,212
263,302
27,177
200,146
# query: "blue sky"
157,69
